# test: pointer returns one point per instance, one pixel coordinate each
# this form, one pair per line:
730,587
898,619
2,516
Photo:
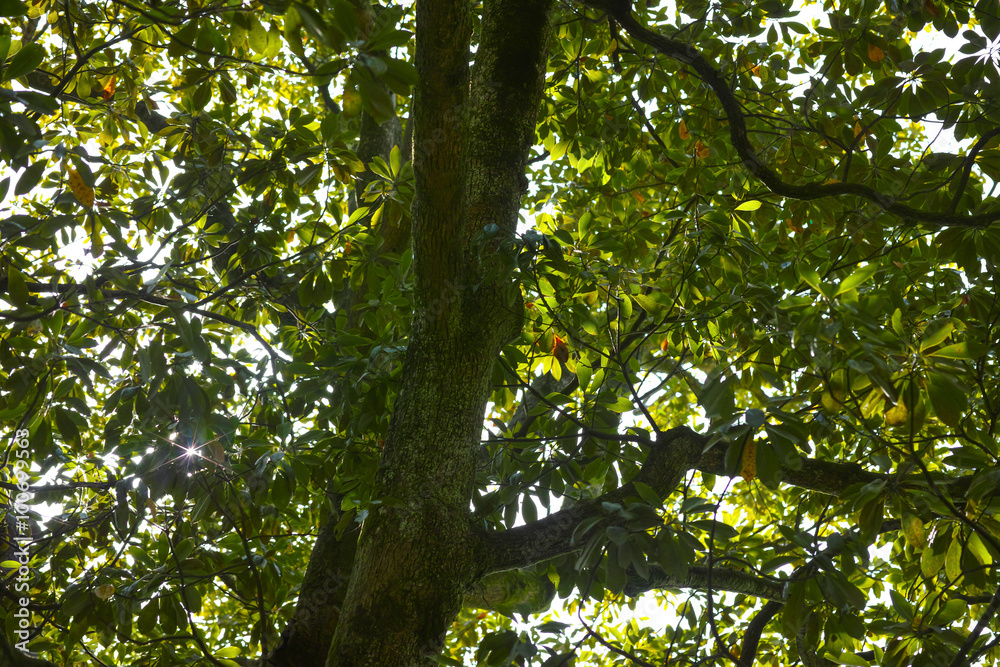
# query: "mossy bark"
418,554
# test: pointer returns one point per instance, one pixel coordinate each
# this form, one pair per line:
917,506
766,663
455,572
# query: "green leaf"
647,304
257,36
947,399
812,278
751,205
901,605
964,350
850,659
951,611
952,561
617,534
24,61
859,276
793,612
979,550
931,562
376,101
671,556
870,519
937,335
12,8
29,179
16,287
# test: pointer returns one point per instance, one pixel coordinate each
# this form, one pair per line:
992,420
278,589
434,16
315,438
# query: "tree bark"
417,553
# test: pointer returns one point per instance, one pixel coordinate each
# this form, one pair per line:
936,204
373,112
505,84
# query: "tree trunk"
417,555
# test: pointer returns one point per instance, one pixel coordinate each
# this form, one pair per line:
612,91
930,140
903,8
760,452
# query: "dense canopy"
505,332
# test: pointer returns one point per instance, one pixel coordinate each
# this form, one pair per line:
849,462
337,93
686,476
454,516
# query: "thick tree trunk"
417,555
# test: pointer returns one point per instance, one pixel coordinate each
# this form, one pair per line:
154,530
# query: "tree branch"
722,579
828,477
621,11
11,657
674,453
511,591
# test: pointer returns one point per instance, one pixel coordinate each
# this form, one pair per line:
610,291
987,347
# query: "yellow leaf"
748,469
913,530
104,592
751,205
83,192
897,415
952,561
109,90
683,130
701,150
875,53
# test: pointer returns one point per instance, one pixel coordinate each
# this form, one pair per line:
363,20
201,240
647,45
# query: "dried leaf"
560,350
683,130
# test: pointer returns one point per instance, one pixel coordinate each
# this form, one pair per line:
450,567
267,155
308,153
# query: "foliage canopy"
773,223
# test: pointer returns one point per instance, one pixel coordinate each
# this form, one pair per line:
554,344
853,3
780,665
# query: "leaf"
683,130
748,461
851,659
751,205
897,322
913,530
755,417
29,179
937,335
16,287
83,192
317,27
870,519
647,303
12,8
24,61
792,614
875,53
952,561
965,350
617,534
901,605
897,416
560,350
376,101
979,550
931,562
109,89
947,399
859,276
395,160
951,611
671,555
257,36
